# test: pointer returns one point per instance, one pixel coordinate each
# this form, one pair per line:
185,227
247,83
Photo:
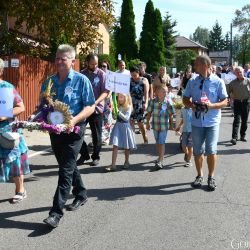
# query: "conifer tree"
169,38
159,48
146,39
152,49
226,42
216,42
125,36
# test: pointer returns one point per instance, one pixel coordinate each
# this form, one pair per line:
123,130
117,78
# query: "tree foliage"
183,58
169,36
152,49
125,36
242,22
56,21
227,41
146,39
201,35
216,42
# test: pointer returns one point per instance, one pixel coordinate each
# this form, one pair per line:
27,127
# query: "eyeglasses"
64,59
104,66
201,85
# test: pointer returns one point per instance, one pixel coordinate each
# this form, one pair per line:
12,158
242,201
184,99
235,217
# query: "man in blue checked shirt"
206,94
75,90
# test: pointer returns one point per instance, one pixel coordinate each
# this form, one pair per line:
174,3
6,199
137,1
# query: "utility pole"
231,45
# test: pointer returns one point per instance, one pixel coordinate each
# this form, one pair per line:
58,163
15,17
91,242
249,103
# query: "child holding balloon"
122,136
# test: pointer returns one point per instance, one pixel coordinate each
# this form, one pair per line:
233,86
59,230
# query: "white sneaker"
188,164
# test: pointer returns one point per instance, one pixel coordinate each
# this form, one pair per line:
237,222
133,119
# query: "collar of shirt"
69,76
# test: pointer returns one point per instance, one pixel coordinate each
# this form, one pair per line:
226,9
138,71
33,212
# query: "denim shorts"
160,136
205,140
186,139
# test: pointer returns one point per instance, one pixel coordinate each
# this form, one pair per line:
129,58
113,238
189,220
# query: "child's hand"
177,129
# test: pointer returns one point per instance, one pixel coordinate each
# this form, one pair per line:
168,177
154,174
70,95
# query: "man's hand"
3,118
72,122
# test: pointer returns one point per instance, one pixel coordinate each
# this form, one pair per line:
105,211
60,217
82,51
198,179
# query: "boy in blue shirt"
186,141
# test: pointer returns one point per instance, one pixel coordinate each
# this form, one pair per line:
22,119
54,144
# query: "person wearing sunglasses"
105,66
206,94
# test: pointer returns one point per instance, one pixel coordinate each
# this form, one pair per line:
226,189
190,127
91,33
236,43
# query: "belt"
242,100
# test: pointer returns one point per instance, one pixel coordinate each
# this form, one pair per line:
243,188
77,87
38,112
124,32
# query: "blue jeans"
205,140
160,136
66,148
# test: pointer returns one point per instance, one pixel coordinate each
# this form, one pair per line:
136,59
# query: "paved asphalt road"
135,208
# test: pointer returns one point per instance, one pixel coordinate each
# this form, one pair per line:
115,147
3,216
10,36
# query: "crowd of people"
149,105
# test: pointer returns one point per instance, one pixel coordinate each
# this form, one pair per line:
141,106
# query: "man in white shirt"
122,68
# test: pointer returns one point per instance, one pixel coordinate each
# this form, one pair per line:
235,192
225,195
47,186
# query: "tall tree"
242,21
226,41
215,38
183,58
125,36
201,35
152,49
169,35
146,39
55,21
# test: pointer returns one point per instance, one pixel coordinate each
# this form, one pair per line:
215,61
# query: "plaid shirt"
160,115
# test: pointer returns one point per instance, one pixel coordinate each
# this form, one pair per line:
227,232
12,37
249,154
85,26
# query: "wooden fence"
27,74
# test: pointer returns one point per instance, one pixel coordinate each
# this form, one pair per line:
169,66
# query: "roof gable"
183,42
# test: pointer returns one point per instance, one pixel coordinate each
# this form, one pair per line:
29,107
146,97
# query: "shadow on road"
112,194
39,147
38,229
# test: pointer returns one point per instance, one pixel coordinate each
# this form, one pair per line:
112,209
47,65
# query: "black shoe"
94,163
211,183
197,182
234,141
138,132
243,139
81,160
76,204
158,166
52,221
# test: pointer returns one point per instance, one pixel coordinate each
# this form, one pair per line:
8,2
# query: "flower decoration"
51,116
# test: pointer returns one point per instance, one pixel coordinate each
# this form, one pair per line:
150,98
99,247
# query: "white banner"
117,82
6,102
228,77
175,82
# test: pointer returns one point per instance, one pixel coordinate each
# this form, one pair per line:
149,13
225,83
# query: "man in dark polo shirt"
240,89
97,79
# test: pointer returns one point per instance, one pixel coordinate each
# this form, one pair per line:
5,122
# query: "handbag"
9,140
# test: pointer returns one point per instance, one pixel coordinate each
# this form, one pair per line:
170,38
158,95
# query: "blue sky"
189,13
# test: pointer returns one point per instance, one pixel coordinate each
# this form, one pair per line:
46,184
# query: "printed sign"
175,82
228,77
6,102
117,82
14,63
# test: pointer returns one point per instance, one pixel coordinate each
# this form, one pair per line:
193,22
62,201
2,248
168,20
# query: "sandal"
18,197
110,168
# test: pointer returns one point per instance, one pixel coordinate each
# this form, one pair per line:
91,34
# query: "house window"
99,48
